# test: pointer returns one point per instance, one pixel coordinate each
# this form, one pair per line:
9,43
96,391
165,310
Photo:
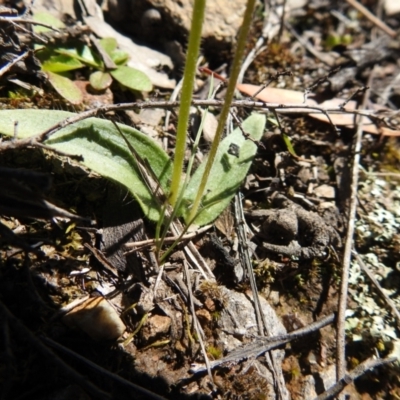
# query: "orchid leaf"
233,160
102,148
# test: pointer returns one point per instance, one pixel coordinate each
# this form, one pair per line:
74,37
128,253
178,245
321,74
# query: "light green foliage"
57,60
103,149
65,87
48,19
132,78
227,173
205,194
105,152
335,40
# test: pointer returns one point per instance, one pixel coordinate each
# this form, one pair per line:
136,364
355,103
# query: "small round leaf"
132,79
120,57
100,80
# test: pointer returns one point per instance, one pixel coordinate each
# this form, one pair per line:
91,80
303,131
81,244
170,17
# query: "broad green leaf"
65,88
132,78
48,19
109,44
228,172
103,149
120,57
100,80
61,63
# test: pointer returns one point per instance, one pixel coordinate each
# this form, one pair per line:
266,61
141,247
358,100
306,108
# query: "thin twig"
354,374
289,109
262,325
8,66
341,334
263,344
246,259
371,17
372,278
22,20
196,322
151,242
323,57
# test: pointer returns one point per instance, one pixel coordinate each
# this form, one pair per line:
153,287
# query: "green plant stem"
241,45
186,97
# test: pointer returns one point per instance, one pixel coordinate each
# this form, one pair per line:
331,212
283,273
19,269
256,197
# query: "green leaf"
103,149
47,19
227,173
132,78
120,57
65,88
289,145
100,80
61,63
85,56
109,44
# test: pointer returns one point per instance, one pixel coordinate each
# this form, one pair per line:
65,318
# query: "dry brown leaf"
287,96
275,95
293,97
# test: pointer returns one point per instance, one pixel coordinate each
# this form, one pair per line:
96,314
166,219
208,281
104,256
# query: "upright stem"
241,45
186,96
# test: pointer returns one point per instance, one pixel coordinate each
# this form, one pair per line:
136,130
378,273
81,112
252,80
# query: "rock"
97,317
391,7
307,390
238,319
325,191
156,20
204,317
209,304
156,326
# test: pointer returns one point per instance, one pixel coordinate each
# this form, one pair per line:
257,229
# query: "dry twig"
371,17
341,334
354,374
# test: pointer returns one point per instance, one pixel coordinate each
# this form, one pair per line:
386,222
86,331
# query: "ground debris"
296,232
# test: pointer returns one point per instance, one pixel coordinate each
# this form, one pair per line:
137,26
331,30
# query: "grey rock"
165,20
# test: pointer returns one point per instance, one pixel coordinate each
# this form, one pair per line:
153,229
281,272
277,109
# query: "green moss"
214,352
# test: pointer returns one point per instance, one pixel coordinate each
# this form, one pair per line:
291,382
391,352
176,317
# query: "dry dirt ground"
80,319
